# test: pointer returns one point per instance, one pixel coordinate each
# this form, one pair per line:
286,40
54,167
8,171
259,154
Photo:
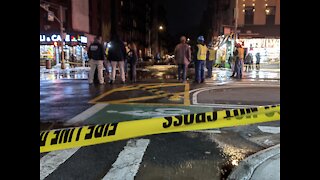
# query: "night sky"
184,16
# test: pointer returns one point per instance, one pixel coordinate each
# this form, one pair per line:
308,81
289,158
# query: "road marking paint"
146,104
195,95
197,91
214,131
269,129
137,99
54,159
158,112
232,106
85,114
94,100
186,95
210,88
127,164
51,161
152,88
257,85
254,83
175,98
159,92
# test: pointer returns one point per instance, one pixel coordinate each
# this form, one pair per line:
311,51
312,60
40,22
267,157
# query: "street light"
159,39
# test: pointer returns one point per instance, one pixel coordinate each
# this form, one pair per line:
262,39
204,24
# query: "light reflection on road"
160,72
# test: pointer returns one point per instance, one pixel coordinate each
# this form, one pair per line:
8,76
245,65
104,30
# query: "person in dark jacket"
133,59
117,54
182,55
96,58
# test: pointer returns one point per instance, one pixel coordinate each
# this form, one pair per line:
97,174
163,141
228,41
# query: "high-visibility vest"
107,50
240,53
212,54
202,52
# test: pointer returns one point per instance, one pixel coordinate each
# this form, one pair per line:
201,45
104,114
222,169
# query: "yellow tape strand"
60,139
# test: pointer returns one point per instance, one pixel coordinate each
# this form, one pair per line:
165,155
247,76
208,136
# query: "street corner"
268,160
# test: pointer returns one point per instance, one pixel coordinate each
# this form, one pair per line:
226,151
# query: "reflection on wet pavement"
63,99
161,72
234,149
194,156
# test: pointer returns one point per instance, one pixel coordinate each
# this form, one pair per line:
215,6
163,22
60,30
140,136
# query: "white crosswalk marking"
214,131
127,164
86,114
269,129
53,160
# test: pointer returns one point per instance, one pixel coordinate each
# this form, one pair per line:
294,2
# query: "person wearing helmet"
200,58
211,54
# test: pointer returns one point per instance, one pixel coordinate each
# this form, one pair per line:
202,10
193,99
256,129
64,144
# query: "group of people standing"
202,56
118,54
248,62
205,56
243,60
115,54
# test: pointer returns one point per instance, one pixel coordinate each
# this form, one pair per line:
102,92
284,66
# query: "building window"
270,15
249,14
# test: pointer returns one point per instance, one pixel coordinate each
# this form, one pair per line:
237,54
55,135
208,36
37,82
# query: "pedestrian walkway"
264,165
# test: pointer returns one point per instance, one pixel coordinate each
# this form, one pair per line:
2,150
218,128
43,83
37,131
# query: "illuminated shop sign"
261,43
57,37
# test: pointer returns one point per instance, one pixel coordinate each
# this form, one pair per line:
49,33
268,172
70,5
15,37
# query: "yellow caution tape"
60,139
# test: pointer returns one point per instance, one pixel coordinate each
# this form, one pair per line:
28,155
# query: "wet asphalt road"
186,155
65,94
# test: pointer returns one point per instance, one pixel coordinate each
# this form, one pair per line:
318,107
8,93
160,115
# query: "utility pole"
62,35
236,14
62,38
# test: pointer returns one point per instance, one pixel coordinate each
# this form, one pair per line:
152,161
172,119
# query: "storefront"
74,49
269,49
224,50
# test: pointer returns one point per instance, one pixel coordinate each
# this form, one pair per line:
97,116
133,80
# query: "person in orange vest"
239,55
200,59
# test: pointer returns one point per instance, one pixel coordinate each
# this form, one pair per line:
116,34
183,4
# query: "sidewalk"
263,165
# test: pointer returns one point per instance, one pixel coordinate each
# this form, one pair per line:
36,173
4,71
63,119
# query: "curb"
246,167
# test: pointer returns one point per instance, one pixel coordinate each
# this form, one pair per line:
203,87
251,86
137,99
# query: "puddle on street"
190,156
